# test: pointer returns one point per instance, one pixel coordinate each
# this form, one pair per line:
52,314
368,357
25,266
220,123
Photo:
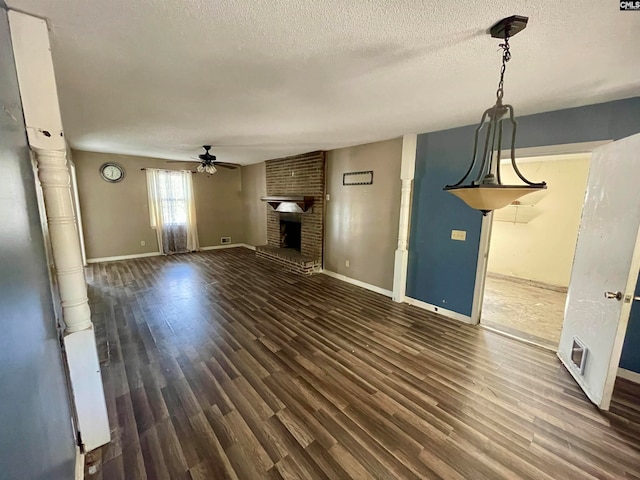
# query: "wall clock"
112,172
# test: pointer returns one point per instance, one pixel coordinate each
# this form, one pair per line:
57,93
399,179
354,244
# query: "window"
173,198
172,210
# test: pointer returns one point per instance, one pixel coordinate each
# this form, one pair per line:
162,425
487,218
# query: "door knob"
616,295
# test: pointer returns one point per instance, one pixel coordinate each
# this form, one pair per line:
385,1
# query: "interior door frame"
487,220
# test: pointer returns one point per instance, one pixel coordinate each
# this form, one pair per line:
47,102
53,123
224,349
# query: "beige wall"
542,250
362,221
116,216
254,186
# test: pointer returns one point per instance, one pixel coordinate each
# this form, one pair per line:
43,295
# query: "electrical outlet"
460,235
225,240
328,197
346,263
142,243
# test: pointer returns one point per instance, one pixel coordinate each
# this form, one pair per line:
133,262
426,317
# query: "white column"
407,169
36,79
54,177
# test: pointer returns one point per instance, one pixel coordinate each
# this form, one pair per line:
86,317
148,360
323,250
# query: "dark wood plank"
245,371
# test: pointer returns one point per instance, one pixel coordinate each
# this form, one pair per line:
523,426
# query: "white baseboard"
229,245
629,375
439,310
79,475
353,281
520,339
156,254
526,281
122,257
218,247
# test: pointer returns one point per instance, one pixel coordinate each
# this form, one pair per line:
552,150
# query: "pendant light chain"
487,192
506,56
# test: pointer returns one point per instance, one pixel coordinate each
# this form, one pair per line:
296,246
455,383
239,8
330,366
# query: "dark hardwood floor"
217,365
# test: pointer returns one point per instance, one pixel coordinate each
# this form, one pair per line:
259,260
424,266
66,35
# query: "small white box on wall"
460,235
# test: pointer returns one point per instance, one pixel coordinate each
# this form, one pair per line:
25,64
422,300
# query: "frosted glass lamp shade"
491,197
210,169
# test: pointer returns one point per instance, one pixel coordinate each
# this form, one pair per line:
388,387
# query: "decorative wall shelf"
289,203
358,178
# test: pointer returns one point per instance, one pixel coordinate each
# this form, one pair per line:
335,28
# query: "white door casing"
522,155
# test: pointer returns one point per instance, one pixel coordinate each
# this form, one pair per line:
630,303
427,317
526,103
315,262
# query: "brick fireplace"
294,236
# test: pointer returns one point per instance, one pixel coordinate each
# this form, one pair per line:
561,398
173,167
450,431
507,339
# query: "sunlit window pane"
173,198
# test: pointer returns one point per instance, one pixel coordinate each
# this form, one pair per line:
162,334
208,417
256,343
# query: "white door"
605,270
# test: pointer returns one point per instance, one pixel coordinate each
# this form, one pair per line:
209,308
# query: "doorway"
531,248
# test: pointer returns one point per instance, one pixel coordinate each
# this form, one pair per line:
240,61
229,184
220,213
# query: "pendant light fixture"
487,192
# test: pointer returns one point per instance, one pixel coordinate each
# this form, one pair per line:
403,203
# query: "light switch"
460,235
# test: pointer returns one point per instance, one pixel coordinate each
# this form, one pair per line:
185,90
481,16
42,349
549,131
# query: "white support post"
36,79
53,174
407,170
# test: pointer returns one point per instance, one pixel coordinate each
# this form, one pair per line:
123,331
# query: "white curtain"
172,210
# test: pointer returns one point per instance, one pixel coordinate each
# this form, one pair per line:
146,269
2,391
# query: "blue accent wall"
441,271
630,359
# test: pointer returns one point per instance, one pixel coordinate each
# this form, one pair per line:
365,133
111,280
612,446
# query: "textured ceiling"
159,78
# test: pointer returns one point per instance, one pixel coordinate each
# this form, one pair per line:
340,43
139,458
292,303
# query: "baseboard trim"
79,474
439,310
629,375
122,257
219,247
353,281
519,339
531,283
156,254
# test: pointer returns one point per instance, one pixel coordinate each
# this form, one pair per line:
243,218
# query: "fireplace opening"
290,231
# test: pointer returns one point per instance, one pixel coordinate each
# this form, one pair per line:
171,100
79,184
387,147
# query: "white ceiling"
159,78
